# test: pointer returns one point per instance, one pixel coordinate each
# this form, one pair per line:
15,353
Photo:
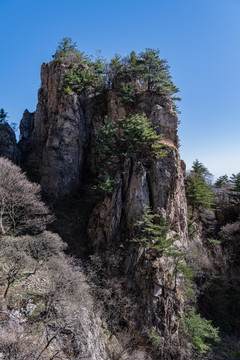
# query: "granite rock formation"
58,143
8,143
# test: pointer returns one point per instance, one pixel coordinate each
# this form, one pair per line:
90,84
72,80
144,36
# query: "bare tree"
22,256
21,208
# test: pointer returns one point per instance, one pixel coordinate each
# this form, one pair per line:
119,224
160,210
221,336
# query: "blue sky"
199,38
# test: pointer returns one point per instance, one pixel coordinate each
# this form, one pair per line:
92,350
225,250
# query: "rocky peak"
58,135
61,151
26,124
8,143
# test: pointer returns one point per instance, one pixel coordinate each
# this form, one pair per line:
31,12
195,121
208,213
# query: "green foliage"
147,68
65,46
156,338
214,241
77,78
155,72
132,137
107,144
199,331
99,65
127,92
235,189
68,90
83,74
3,116
189,293
192,231
139,137
105,186
199,194
221,181
129,137
200,169
115,68
125,75
154,234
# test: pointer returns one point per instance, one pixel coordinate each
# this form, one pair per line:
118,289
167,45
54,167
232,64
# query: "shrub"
154,236
133,138
199,331
105,186
153,233
129,137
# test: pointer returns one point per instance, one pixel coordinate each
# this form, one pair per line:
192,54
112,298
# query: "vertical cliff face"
56,138
112,228
58,143
8,144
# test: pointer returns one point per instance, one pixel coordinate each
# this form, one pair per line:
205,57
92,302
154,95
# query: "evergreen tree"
222,181
65,46
156,73
235,189
199,168
198,192
3,116
147,67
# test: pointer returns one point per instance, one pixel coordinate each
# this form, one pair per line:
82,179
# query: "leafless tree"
21,208
22,256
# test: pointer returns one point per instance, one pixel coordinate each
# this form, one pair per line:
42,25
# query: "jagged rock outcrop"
53,145
112,228
58,144
8,143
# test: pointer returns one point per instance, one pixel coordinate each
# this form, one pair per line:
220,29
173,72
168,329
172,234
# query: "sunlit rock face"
58,144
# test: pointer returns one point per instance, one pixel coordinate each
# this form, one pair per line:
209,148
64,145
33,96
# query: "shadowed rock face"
8,144
54,147
58,145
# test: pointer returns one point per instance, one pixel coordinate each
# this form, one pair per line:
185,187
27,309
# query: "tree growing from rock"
3,116
65,46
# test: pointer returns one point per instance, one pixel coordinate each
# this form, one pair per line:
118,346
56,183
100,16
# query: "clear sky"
199,38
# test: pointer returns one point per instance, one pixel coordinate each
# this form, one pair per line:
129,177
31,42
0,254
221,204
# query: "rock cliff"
58,143
8,143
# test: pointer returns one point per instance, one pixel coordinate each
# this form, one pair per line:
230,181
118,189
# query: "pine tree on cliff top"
3,116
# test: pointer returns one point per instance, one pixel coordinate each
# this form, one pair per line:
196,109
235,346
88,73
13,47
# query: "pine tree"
221,181
235,189
65,46
198,192
156,73
3,116
199,168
